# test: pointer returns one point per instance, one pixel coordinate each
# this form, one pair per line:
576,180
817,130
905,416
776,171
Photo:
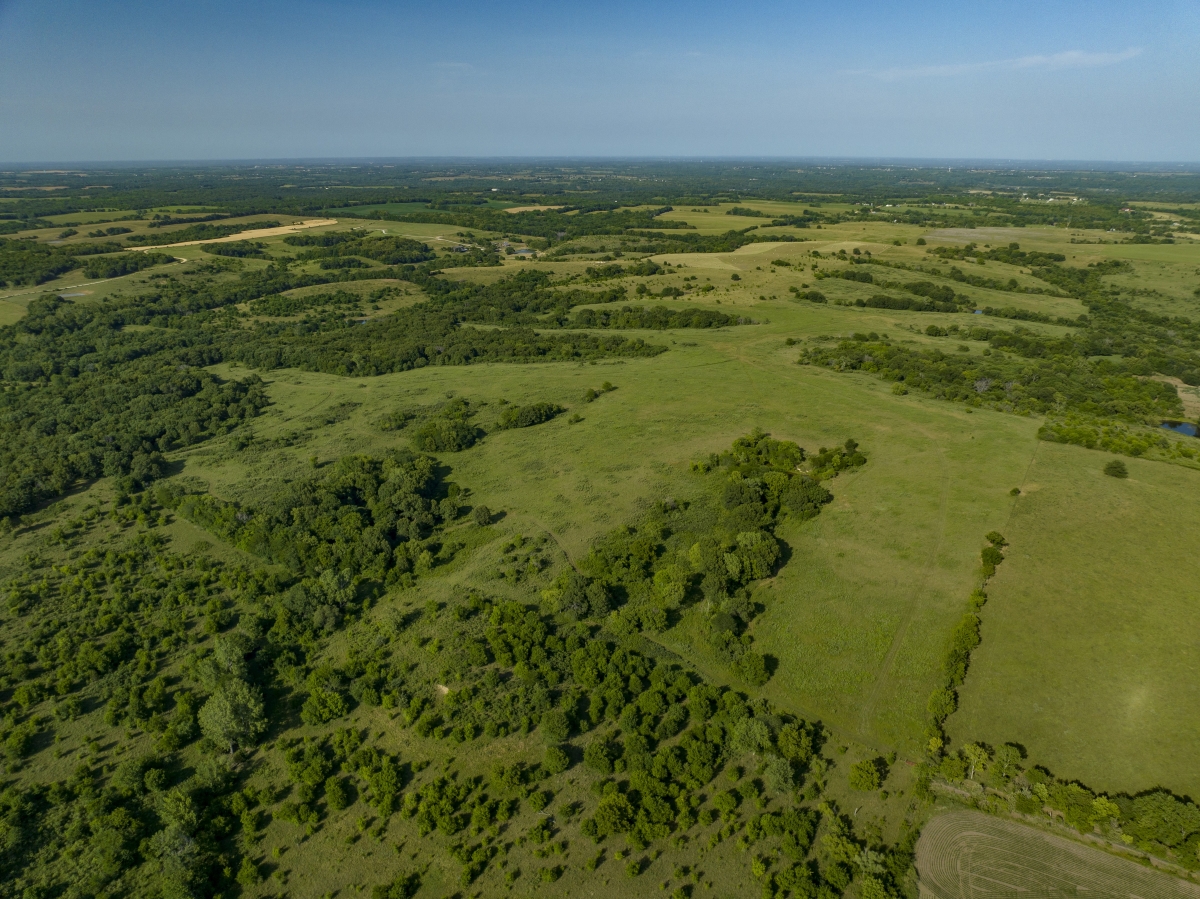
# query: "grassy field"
1088,657
858,617
968,855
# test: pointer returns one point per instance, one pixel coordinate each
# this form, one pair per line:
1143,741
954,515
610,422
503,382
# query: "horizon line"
1068,164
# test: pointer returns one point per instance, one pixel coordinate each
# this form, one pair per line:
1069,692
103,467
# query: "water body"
1180,427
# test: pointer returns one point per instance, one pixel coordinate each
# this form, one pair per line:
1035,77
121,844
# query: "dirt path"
970,855
246,235
42,288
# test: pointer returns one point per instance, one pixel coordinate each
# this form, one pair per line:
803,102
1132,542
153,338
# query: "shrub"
404,886
337,794
866,775
557,761
527,416
599,755
555,725
444,435
248,875
1116,469
482,515
753,668
991,556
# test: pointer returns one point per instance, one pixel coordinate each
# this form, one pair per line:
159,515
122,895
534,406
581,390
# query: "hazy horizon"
219,82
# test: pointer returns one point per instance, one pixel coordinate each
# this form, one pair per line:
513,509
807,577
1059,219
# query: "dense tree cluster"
86,396
340,245
702,558
370,516
1024,373
122,264
1093,380
238,249
528,416
1155,821
27,262
79,408
644,268
656,318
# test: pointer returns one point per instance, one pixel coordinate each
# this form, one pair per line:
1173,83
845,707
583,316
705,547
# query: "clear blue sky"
1094,80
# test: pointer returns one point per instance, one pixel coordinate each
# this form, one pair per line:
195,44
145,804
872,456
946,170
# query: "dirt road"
246,235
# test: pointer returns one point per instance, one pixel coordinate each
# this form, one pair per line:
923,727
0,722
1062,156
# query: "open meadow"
498,545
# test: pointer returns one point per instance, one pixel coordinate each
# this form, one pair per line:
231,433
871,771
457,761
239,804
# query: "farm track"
243,235
970,855
42,288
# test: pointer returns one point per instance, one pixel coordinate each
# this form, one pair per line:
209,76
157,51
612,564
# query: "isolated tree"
795,743
555,725
977,758
865,776
1116,469
557,760
778,776
233,715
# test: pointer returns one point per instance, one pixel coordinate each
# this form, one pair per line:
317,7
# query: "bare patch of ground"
1190,396
970,855
247,235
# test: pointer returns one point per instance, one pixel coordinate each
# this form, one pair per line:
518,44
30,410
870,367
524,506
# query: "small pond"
1180,427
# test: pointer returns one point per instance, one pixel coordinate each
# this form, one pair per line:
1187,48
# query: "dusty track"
246,235
970,855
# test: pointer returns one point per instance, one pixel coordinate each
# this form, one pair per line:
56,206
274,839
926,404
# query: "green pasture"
1088,656
856,619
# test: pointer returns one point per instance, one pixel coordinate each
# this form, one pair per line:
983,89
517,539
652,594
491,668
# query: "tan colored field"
246,235
970,855
530,208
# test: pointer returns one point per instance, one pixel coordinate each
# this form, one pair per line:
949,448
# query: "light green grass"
1089,654
859,616
858,643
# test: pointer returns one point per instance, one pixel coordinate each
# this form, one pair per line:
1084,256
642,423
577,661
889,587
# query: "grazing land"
1107,697
690,536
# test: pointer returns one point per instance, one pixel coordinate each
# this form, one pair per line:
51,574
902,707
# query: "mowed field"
1089,656
969,855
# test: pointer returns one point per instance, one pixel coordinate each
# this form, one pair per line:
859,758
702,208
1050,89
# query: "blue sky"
220,80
